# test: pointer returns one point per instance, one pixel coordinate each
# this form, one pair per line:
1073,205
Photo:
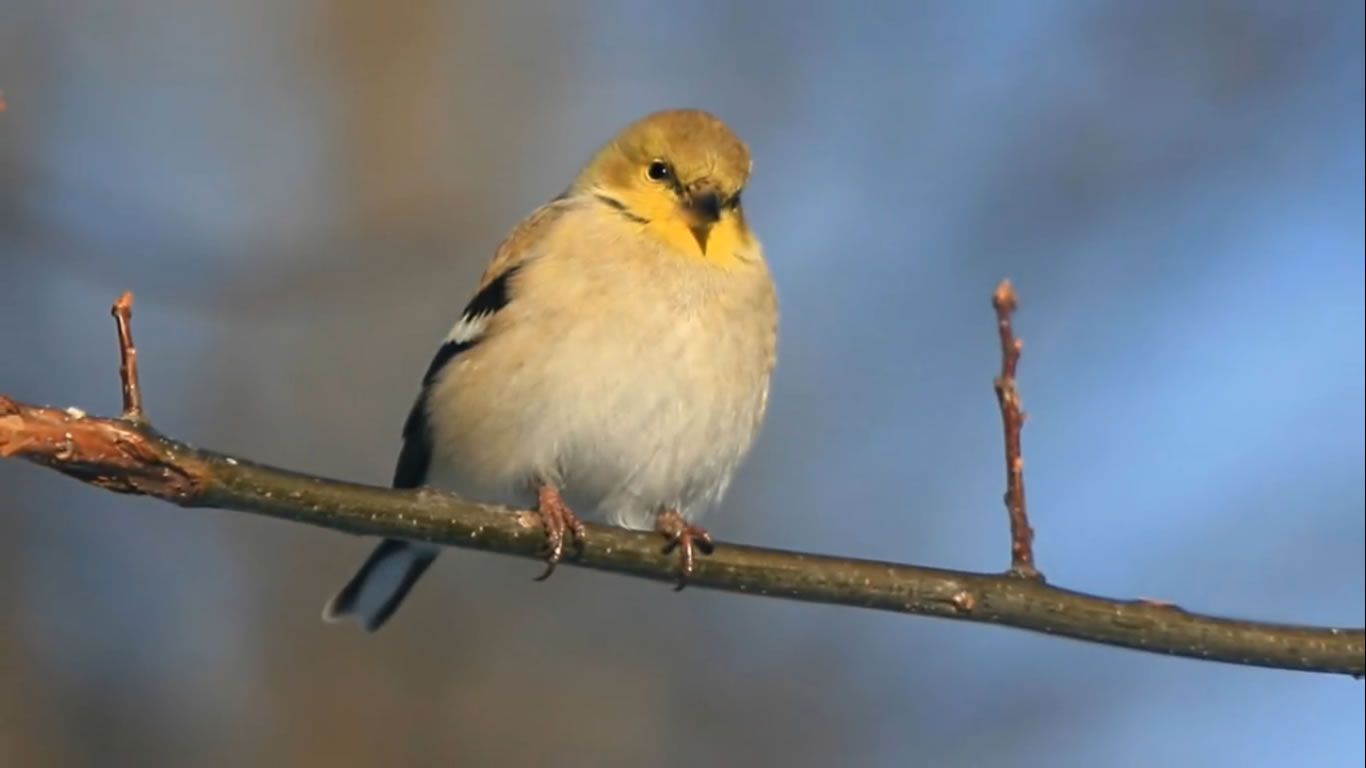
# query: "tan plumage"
619,349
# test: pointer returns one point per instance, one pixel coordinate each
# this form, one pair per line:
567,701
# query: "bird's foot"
686,538
559,520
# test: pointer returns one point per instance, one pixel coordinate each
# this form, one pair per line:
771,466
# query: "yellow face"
678,174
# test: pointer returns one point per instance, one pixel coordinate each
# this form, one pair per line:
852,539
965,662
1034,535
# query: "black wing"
414,460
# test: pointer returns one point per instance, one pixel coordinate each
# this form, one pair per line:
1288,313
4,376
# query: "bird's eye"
658,171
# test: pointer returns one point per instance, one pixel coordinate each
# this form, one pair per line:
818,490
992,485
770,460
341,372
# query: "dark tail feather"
378,588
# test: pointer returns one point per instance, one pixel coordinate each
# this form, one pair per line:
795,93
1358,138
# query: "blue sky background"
302,195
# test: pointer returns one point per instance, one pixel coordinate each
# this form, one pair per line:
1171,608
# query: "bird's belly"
660,434
627,423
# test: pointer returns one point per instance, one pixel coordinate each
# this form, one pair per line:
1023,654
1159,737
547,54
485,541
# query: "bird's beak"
703,200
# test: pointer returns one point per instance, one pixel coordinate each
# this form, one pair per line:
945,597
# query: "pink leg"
685,537
558,520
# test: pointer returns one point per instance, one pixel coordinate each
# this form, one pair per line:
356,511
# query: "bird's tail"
377,589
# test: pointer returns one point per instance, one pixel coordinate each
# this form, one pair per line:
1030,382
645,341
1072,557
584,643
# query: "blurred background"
302,194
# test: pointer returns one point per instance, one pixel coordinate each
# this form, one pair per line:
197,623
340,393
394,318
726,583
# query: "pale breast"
633,390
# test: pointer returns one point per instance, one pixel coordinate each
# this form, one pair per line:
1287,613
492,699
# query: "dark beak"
704,201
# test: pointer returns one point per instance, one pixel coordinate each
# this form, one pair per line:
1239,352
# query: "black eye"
658,171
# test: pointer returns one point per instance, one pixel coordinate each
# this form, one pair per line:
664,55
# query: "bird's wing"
494,293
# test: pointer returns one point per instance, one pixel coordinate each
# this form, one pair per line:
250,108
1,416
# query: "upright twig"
128,358
1012,421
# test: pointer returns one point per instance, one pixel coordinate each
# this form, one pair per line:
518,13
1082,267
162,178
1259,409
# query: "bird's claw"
558,520
686,538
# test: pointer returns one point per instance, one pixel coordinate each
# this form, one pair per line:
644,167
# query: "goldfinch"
615,358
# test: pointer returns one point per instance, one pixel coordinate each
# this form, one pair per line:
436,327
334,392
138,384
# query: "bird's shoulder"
527,239
521,246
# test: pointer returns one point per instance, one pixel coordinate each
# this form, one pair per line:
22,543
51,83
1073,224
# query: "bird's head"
679,173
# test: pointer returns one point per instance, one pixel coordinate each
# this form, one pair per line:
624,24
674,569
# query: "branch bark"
127,455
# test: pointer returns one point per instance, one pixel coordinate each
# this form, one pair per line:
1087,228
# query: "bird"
616,358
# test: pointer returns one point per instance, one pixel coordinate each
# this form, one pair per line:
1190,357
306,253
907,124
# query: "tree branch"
127,456
128,357
1012,422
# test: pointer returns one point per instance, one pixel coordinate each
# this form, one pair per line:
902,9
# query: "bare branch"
1012,421
128,357
128,456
